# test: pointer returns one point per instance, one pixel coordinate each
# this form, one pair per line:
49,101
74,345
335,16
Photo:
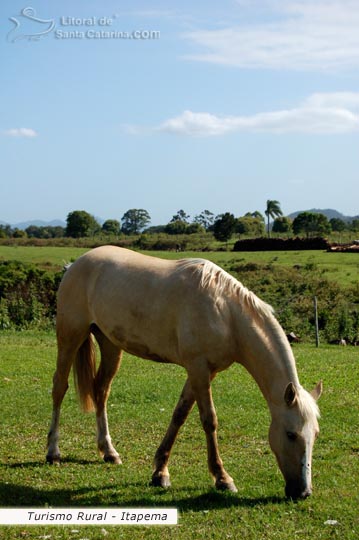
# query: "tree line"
81,224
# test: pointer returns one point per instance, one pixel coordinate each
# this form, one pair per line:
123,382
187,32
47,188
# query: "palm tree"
272,211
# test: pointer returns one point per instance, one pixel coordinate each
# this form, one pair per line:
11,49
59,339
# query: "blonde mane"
307,405
214,278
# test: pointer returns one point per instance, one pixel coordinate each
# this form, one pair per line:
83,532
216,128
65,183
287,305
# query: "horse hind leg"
60,386
66,355
109,365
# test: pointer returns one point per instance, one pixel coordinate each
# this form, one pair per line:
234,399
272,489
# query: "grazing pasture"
141,403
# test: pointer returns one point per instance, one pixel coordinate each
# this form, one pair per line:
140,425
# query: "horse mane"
214,278
217,280
307,405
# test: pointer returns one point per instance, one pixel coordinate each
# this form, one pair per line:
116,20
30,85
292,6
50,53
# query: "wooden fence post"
316,321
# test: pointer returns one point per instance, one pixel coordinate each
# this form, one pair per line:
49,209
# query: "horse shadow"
184,499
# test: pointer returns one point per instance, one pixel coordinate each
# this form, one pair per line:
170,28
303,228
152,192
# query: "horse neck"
267,355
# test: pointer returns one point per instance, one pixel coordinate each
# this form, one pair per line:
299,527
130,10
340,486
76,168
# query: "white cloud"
345,100
331,113
293,35
21,132
191,123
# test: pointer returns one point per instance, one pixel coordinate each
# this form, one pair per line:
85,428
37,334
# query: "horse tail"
84,374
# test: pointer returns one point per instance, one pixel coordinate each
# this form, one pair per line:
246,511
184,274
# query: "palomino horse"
188,312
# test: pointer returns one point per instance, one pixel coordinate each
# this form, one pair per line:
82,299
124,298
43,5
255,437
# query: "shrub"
27,295
291,290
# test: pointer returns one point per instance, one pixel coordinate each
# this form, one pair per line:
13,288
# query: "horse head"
292,434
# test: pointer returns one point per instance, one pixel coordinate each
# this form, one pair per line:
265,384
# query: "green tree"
194,228
282,225
156,229
224,227
80,223
205,218
272,210
256,214
178,223
111,226
337,224
6,231
180,216
250,225
48,231
176,227
33,231
354,225
135,220
19,233
56,231
311,224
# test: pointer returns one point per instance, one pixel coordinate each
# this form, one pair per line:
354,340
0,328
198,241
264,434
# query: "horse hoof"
116,460
226,486
53,460
160,481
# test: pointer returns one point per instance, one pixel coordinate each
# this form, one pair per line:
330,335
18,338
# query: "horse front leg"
161,477
203,394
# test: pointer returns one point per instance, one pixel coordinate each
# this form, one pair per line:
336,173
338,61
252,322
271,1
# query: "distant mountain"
328,212
40,223
37,222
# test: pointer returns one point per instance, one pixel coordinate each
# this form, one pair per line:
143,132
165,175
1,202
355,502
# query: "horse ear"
290,395
317,391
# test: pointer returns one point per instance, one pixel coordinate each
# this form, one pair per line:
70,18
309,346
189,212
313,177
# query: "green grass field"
46,257
141,403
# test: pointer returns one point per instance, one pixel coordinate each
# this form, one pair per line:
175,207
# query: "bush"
27,295
291,291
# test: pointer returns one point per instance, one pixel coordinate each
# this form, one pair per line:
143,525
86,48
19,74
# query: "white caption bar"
88,516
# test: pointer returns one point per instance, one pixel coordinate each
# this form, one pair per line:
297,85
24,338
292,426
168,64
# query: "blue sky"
198,105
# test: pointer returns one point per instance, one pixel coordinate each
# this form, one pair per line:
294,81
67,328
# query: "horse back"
150,307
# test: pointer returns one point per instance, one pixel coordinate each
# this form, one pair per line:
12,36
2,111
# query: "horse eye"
291,435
